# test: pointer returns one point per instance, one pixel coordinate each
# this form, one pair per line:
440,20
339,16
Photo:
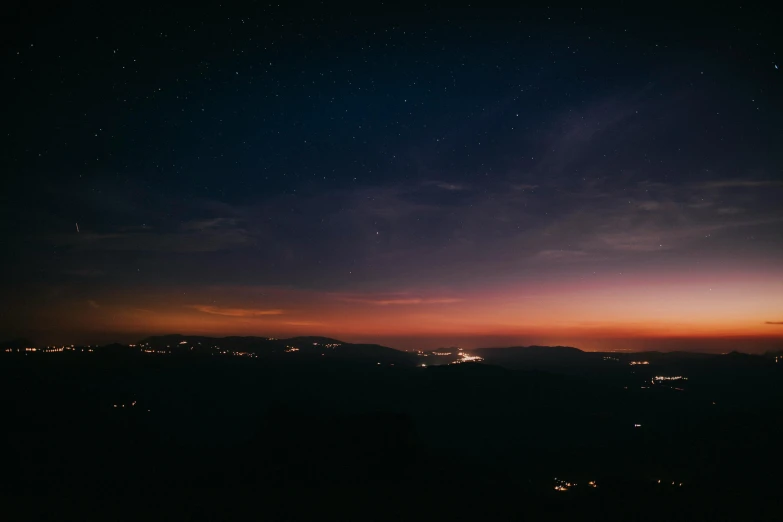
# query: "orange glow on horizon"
586,315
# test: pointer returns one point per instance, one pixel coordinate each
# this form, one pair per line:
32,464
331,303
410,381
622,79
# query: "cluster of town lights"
563,485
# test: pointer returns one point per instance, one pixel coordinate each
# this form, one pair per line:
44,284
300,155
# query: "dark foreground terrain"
118,433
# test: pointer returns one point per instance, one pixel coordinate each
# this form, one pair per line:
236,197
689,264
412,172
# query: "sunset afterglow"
582,191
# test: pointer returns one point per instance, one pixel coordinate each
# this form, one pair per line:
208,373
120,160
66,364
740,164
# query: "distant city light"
465,357
562,485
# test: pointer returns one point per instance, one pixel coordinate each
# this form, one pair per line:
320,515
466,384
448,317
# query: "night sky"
415,178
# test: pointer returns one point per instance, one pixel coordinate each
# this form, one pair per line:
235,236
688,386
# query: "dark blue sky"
450,157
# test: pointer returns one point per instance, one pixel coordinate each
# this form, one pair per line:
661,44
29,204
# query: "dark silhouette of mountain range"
532,353
266,347
193,416
548,358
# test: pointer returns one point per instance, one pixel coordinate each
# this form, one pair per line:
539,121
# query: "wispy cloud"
448,186
647,217
194,236
658,236
649,205
93,304
740,183
208,224
774,322
638,241
572,137
435,227
401,300
560,255
235,312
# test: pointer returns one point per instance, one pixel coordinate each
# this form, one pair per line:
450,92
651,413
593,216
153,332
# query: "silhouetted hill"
572,360
373,353
469,370
532,356
738,359
116,348
313,339
16,344
655,356
292,349
161,341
